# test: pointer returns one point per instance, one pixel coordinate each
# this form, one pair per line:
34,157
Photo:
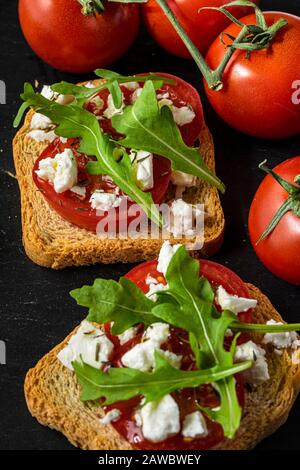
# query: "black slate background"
36,310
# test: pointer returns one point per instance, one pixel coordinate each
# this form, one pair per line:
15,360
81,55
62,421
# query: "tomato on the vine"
65,38
257,94
279,250
201,26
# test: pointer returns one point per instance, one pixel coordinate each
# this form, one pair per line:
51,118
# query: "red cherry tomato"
187,399
257,94
280,250
201,26
62,36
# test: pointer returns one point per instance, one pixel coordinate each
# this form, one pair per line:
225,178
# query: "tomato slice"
181,94
78,210
188,400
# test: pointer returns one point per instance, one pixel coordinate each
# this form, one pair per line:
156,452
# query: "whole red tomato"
65,38
202,27
257,97
280,250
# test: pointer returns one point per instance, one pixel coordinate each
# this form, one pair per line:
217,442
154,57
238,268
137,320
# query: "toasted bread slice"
52,395
51,241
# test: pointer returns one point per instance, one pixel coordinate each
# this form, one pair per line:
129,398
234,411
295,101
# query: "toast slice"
52,395
51,241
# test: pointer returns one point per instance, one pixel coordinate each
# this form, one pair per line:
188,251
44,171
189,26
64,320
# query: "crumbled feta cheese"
161,96
127,335
135,95
104,201
131,85
160,419
42,136
232,302
142,161
142,356
228,333
194,425
158,333
179,178
111,110
280,340
182,115
51,95
250,351
183,218
79,190
153,288
39,121
111,416
89,344
166,253
151,280
60,170
90,85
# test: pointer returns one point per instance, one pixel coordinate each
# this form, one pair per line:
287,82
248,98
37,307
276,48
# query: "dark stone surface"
36,310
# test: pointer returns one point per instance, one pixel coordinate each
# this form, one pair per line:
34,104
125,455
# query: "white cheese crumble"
155,287
39,121
288,339
232,302
128,335
41,136
79,190
160,419
111,416
131,85
142,356
182,115
183,217
51,95
250,351
179,178
166,254
135,95
90,85
89,344
104,201
142,162
194,425
61,170
111,110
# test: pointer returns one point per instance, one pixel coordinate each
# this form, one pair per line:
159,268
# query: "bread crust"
52,396
51,241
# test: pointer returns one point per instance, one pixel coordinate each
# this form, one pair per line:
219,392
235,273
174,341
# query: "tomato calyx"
250,38
292,203
91,7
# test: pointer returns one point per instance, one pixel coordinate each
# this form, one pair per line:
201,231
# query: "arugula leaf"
199,316
112,82
121,302
118,384
73,121
148,127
